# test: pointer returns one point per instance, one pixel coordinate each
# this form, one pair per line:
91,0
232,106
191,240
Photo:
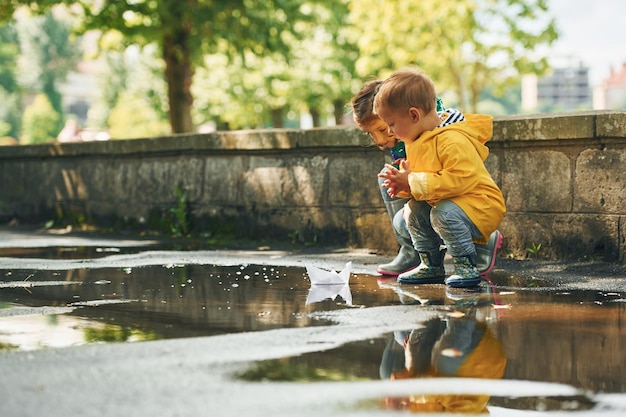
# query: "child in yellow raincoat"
455,202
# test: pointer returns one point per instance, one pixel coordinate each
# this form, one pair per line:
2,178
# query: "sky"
592,32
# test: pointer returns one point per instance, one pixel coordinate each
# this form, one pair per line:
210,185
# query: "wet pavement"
94,326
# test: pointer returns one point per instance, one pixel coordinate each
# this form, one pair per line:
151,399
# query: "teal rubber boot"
466,275
431,270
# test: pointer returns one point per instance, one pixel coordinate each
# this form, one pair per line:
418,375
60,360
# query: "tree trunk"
315,115
178,74
277,117
339,107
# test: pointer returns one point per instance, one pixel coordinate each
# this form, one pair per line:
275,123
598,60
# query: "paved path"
193,377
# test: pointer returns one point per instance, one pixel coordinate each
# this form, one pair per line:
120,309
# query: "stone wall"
562,176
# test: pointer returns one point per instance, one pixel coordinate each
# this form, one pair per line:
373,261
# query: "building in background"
611,93
565,88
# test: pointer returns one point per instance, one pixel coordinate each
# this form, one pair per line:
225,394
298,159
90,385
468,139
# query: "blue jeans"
430,227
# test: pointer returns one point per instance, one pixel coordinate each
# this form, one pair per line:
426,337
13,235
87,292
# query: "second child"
363,113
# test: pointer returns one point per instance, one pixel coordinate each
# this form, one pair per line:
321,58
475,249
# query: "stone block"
353,179
562,236
537,180
611,124
599,181
221,181
544,127
289,182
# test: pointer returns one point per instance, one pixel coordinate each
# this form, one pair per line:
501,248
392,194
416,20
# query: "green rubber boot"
430,271
466,275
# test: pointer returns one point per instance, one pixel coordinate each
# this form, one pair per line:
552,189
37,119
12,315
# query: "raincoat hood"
478,128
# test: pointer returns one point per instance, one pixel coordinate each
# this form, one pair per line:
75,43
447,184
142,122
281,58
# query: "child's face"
404,125
379,131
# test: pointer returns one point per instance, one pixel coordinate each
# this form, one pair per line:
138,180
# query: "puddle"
163,302
512,329
574,338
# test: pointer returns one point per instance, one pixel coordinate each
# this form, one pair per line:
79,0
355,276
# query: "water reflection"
462,344
513,334
572,337
161,302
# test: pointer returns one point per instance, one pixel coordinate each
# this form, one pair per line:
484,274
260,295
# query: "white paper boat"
329,284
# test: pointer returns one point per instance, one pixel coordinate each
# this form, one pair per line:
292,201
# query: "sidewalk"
194,376
603,276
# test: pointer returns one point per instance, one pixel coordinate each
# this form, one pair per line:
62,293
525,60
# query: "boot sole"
463,283
392,273
421,281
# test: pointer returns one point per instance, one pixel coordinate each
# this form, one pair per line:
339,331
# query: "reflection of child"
363,113
455,202
462,345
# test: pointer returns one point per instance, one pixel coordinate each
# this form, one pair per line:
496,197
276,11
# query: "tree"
323,70
187,29
140,108
10,102
464,45
40,122
47,55
316,77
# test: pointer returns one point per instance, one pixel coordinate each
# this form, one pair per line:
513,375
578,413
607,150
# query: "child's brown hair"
363,103
406,88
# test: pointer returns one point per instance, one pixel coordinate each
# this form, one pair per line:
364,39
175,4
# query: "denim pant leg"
455,228
383,191
423,236
394,210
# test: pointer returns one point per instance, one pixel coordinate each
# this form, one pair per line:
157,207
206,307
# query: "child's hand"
398,161
396,180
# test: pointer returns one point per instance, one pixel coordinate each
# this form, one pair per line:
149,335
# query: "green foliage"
132,117
500,103
137,90
40,123
10,100
9,51
180,226
290,370
464,45
176,220
10,113
534,249
48,53
251,91
111,333
186,30
246,64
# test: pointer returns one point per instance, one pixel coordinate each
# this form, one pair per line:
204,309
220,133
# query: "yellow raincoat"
447,163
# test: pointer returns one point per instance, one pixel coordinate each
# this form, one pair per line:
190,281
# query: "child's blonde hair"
406,88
